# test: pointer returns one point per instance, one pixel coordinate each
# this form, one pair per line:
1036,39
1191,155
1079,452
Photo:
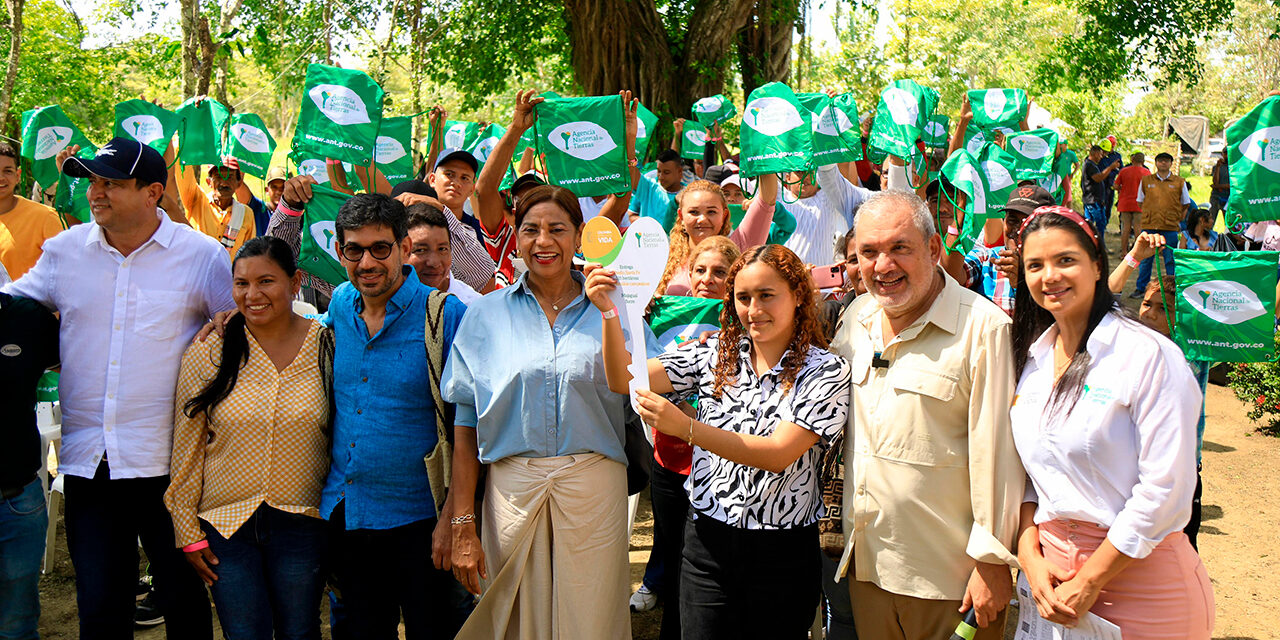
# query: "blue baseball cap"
457,154
120,159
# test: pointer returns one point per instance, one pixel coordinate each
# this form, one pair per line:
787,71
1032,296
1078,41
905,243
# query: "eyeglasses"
379,250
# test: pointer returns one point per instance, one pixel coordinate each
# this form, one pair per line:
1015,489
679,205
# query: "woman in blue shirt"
771,398
527,377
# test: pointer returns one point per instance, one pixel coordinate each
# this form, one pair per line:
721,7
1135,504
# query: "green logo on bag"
387,150
340,104
144,128
250,137
707,105
904,108
696,136
1263,147
1225,301
1032,147
584,140
831,122
314,168
484,148
455,136
324,234
51,140
997,176
935,129
994,103
773,116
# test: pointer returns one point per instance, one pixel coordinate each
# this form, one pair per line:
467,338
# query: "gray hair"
882,201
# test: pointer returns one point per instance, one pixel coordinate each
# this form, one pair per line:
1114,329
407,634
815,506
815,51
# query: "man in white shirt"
823,210
431,255
132,288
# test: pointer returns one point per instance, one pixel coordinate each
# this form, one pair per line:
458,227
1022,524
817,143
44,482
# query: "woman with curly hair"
771,397
704,213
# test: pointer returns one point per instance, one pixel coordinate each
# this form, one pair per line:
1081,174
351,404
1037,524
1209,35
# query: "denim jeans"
1096,214
105,518
23,522
1144,268
269,576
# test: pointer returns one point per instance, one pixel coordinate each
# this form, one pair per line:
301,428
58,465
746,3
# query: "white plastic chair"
49,422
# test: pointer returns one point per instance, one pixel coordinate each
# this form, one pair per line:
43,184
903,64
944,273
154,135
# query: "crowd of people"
444,440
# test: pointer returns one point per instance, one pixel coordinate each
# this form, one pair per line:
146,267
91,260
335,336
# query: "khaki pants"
880,615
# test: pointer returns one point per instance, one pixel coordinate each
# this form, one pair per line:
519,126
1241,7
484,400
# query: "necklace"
555,304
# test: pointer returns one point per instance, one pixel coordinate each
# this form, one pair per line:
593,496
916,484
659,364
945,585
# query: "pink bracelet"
284,208
1128,259
196,546
952,231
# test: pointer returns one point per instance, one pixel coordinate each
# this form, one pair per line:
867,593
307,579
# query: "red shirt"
1127,183
501,245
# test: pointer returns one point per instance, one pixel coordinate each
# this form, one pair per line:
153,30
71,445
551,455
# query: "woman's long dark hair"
235,345
1030,320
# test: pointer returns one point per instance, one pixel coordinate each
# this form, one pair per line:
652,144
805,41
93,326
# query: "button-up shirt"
932,480
1123,455
266,442
126,321
384,416
823,218
530,388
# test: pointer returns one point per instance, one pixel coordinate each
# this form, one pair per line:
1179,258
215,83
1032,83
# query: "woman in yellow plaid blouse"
250,454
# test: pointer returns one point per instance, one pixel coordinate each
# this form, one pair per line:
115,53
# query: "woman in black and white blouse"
770,400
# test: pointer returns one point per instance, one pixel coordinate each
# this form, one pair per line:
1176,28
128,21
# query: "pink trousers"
1164,596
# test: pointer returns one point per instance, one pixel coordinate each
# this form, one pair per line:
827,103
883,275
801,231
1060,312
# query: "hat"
457,154
1107,144
417,187
529,179
275,173
120,159
732,179
717,173
1024,200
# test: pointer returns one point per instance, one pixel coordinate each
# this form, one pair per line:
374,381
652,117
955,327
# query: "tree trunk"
15,51
764,44
204,62
224,25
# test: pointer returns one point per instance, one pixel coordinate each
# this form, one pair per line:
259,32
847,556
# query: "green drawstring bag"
937,134
391,151
714,110
998,167
986,180
318,254
484,143
582,142
693,143
904,111
836,137
1253,159
975,138
340,116
201,124
147,123
998,107
73,193
310,165
47,387
460,134
646,124
1032,152
46,131
1225,305
249,142
777,132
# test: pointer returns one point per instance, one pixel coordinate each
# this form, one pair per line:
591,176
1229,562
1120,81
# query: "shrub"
1257,384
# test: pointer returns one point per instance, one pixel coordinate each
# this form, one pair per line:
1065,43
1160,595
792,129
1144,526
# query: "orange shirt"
205,216
22,233
1127,183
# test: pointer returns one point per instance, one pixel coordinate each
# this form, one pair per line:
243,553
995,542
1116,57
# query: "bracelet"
1129,260
463,519
288,209
690,440
612,313
196,546
953,231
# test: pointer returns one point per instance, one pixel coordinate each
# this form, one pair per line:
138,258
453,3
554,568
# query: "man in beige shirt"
932,481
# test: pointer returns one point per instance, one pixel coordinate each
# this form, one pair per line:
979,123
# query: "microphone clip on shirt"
878,362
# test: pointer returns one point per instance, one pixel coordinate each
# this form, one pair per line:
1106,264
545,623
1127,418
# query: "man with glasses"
377,497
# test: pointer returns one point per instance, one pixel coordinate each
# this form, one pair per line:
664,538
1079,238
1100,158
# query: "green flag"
777,132
391,152
716,109
318,254
1253,155
904,112
646,122
1226,305
582,141
73,193
836,137
998,107
693,142
145,122
249,142
678,319
937,134
46,131
202,122
1032,153
340,115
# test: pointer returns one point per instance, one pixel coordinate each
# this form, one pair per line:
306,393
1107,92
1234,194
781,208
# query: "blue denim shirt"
531,389
384,419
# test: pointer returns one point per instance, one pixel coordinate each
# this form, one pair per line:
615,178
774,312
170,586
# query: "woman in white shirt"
1105,423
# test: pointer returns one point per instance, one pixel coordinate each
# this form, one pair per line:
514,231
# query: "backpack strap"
433,337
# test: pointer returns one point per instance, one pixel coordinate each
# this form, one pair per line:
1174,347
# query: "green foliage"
1258,386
